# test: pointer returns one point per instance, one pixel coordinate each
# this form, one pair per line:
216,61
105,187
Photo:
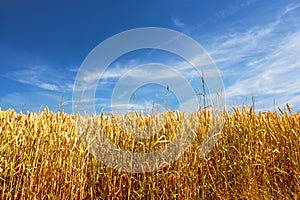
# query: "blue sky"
255,45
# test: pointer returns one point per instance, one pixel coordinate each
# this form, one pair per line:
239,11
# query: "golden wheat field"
256,157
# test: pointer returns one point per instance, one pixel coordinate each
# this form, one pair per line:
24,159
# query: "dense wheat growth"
256,157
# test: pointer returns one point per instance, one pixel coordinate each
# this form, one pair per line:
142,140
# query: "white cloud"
262,61
48,86
44,78
33,101
127,76
276,74
36,76
178,22
13,100
290,7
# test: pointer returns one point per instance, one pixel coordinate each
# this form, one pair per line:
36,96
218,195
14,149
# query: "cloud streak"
261,61
178,22
43,78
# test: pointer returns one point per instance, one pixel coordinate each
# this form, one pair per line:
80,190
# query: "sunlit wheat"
256,157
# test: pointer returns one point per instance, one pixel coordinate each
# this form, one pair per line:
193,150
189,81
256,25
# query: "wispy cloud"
45,87
123,79
48,86
262,61
43,78
290,7
32,101
178,22
13,100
